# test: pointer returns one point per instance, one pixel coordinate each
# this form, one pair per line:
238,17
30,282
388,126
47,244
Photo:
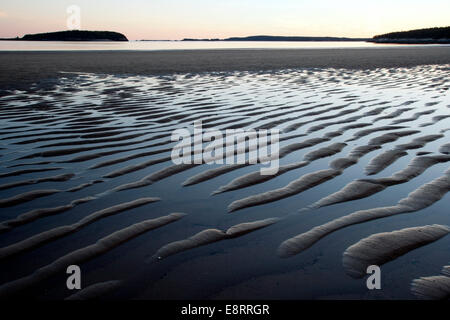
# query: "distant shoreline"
437,35
380,41
22,68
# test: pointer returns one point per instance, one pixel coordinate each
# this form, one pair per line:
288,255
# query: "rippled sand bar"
86,174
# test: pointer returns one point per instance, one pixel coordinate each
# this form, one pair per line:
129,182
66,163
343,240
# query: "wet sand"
19,69
86,173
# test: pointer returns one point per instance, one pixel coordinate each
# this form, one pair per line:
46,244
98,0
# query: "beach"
87,174
23,68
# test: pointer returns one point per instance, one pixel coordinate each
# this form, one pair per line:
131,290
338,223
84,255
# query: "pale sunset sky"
178,19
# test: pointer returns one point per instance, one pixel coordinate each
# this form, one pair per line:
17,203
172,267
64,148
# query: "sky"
178,19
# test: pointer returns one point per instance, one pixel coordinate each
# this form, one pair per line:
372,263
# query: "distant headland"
418,36
74,35
280,38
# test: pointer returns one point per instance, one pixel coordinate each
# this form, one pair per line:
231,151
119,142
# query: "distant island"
74,35
418,36
280,38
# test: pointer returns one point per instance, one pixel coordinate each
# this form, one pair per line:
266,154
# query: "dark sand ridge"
445,148
381,248
284,151
434,287
28,164
87,253
297,186
45,138
61,231
147,163
35,194
394,114
93,156
85,185
413,117
446,271
210,236
87,141
267,125
385,159
174,169
58,178
256,177
337,164
295,126
366,132
212,122
40,213
95,291
25,197
277,122
60,152
431,288
310,180
363,188
103,130
419,199
64,152
26,171
23,68
434,120
213,173
89,120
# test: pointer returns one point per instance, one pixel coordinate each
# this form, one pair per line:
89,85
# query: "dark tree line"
430,33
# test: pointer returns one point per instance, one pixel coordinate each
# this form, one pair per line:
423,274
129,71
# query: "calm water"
179,45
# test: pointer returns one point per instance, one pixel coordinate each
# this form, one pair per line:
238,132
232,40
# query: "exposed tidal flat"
25,67
86,175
